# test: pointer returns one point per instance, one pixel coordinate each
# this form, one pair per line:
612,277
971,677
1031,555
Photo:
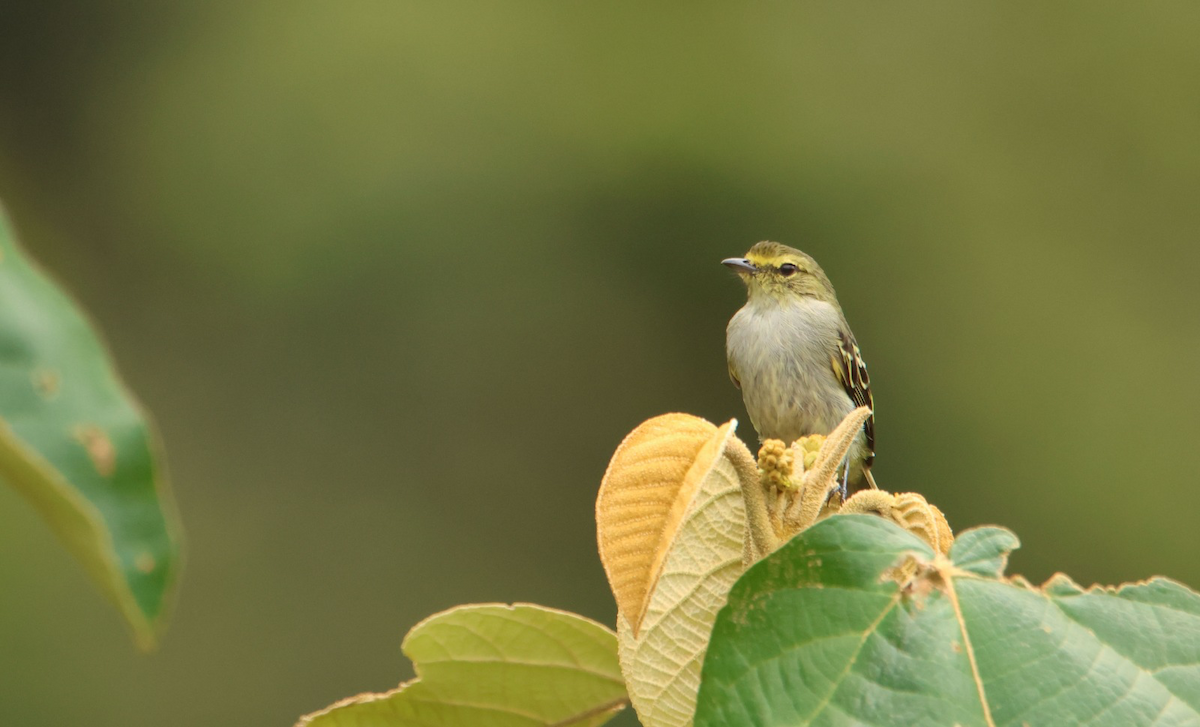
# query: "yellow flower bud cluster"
777,464
809,445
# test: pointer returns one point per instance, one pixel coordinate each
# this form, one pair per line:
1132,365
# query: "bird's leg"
843,485
846,478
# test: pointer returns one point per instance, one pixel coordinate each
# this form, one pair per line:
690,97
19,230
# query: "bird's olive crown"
781,272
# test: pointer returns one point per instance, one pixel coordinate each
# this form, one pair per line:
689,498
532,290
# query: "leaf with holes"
857,621
76,445
498,665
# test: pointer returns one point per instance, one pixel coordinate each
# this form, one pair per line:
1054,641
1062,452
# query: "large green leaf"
856,621
496,665
76,445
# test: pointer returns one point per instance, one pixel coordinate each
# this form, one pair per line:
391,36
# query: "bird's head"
772,271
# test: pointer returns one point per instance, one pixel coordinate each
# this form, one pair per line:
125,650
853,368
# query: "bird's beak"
739,265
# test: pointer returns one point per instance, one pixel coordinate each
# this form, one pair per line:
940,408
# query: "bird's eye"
787,269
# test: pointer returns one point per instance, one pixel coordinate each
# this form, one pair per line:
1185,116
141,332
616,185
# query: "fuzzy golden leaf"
649,485
661,661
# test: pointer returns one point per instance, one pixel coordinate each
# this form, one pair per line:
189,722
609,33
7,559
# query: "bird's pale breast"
781,353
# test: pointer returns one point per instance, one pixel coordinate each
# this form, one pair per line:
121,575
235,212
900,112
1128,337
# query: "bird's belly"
788,383
783,405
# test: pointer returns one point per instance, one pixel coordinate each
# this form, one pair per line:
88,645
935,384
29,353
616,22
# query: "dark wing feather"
851,370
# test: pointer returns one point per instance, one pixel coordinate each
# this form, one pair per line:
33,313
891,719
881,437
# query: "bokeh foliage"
76,445
349,253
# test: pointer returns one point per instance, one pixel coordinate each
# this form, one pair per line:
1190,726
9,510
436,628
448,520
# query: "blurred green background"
397,277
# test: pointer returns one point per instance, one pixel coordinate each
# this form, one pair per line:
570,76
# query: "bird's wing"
733,375
851,370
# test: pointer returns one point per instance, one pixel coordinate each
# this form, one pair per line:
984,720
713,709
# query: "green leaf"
856,621
76,445
984,551
496,665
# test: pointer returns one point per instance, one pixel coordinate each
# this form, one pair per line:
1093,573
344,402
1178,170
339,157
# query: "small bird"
794,357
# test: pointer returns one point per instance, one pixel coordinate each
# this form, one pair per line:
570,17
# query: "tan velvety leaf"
945,535
649,483
910,510
925,520
661,661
